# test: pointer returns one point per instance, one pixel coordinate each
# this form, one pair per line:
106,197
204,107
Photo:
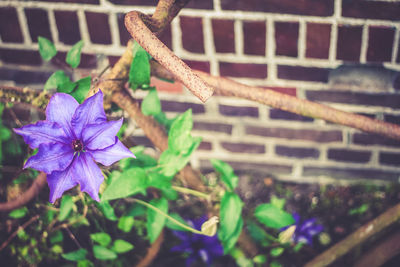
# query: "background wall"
345,53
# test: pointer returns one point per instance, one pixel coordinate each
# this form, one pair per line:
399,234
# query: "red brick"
224,36
198,65
68,26
166,86
371,9
212,127
277,114
238,111
396,82
124,35
303,73
21,76
17,56
248,70
142,141
113,59
88,61
200,4
10,30
373,139
318,40
286,38
303,7
348,155
385,100
392,119
173,106
38,23
166,36
349,43
300,134
205,146
350,173
296,152
254,37
243,147
98,28
389,158
380,43
192,34
284,90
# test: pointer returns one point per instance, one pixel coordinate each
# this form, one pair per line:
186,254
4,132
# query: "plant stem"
186,227
185,190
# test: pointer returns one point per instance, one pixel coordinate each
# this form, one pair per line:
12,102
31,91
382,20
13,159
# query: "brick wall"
345,53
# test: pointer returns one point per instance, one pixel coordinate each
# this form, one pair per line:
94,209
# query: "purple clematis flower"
199,247
70,140
305,230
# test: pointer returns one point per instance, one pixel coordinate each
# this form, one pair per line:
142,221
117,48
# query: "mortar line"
239,37
24,25
364,44
53,26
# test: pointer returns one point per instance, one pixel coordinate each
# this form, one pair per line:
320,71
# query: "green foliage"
121,246
139,73
82,89
278,202
259,234
151,104
76,255
231,222
47,49
103,253
66,207
276,252
359,210
260,259
18,213
173,226
129,182
107,210
58,80
74,55
226,172
155,220
125,223
101,238
273,217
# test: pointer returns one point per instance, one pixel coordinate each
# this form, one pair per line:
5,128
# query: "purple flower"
305,230
70,140
199,247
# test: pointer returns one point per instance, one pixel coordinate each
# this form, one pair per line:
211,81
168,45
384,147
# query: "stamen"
77,145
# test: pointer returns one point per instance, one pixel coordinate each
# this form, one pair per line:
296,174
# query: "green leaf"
273,217
179,138
260,259
227,174
102,238
130,182
174,226
66,87
65,207
47,49
139,73
276,252
5,133
57,249
125,223
56,237
231,222
278,202
155,220
107,210
82,89
102,253
142,160
84,263
259,234
137,210
76,255
74,55
360,210
56,80
121,246
18,213
151,104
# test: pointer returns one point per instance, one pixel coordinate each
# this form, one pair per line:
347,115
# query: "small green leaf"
5,133
56,237
107,210
278,202
18,213
56,80
139,73
273,217
82,89
84,263
179,138
230,212
125,223
230,242
151,104
74,55
76,255
102,238
130,182
259,234
66,87
102,253
57,249
260,259
65,207
227,175
121,246
47,49
174,226
360,210
276,252
155,220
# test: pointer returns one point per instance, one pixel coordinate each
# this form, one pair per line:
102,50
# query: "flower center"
77,145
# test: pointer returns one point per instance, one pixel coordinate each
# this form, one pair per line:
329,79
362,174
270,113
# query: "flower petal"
100,136
91,111
111,154
88,175
42,132
60,109
61,181
51,157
